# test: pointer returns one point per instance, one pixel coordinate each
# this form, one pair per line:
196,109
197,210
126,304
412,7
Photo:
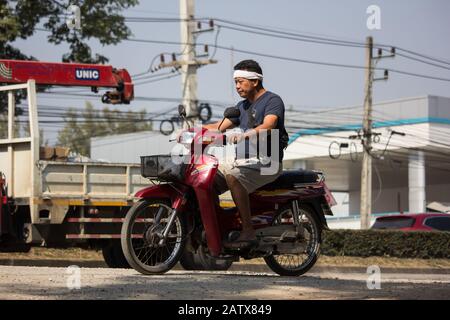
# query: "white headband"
247,75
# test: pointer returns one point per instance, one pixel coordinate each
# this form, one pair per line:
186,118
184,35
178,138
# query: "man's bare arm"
269,123
227,124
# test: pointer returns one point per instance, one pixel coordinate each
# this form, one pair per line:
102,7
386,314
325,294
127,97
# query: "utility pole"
189,71
189,62
366,170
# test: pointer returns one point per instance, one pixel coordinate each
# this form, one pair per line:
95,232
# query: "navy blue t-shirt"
268,103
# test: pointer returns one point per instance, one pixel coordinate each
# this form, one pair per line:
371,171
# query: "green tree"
72,134
26,132
80,127
119,122
100,19
4,127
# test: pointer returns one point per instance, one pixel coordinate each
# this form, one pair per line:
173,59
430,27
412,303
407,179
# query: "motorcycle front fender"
161,191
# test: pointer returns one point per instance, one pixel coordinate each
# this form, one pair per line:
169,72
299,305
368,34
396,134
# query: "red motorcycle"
181,215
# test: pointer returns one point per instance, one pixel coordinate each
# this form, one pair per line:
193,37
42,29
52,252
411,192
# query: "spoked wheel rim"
294,262
145,246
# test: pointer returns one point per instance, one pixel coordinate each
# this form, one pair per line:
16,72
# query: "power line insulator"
380,52
211,23
161,58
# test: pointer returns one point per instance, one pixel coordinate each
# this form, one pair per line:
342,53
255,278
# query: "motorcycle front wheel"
141,244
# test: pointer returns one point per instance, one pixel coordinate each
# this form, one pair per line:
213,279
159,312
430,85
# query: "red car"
414,222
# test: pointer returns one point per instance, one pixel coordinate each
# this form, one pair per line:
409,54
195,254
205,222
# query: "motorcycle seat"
290,177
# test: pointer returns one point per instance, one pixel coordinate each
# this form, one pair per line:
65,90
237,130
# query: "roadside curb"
251,267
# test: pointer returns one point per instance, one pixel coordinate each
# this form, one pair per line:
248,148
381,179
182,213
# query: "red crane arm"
71,74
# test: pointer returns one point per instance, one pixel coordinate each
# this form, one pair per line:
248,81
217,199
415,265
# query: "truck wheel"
188,261
201,261
210,263
113,255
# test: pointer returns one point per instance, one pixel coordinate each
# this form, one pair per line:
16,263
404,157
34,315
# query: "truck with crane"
60,203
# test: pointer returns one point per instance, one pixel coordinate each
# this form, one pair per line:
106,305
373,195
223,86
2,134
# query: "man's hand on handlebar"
235,137
239,136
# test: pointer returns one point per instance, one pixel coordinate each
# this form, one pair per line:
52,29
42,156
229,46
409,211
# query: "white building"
413,171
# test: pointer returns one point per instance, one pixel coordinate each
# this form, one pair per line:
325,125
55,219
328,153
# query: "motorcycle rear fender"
316,205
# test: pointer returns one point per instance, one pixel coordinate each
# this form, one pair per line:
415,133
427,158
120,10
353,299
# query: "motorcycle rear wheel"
147,256
293,264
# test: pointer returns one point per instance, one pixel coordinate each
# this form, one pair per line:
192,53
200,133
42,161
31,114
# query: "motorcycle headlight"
208,139
186,137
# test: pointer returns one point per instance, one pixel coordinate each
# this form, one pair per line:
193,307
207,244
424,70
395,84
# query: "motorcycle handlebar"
206,136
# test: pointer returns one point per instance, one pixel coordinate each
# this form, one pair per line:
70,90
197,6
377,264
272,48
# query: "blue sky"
419,25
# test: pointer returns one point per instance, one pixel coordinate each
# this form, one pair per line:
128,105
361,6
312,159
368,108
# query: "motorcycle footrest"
289,236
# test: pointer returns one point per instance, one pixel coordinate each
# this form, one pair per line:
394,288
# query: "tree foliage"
81,126
100,20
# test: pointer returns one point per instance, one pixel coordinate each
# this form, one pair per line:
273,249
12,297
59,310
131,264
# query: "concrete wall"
438,192
346,222
389,200
438,107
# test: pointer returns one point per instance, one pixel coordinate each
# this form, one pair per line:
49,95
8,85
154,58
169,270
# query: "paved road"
20,282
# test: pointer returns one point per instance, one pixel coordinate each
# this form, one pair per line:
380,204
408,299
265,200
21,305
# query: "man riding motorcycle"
261,113
279,214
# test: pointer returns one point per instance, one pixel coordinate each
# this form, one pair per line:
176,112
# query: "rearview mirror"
231,112
182,111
